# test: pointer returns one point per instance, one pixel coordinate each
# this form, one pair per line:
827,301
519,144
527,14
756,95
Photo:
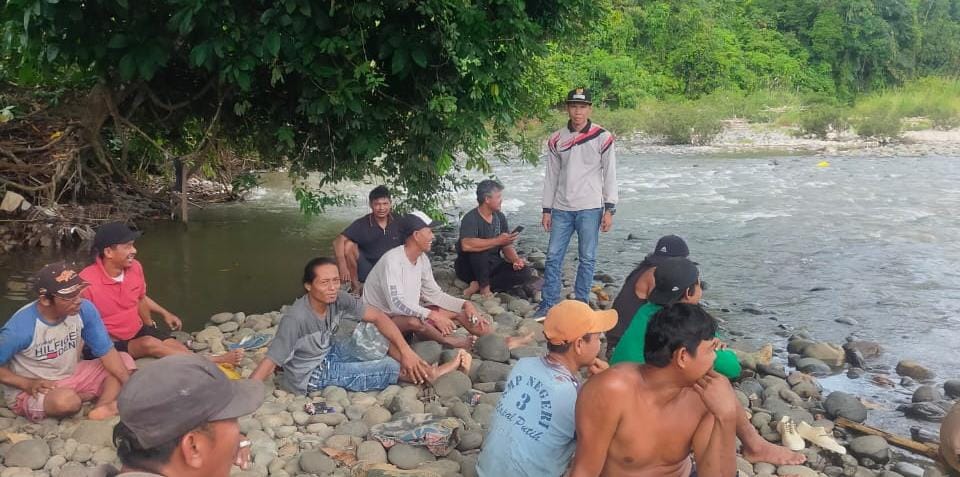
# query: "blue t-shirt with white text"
532,433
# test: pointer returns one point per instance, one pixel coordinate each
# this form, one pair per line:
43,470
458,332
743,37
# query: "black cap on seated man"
178,418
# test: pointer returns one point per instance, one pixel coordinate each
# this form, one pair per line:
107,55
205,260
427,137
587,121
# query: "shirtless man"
645,420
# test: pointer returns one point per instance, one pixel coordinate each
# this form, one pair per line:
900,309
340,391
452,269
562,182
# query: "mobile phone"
517,230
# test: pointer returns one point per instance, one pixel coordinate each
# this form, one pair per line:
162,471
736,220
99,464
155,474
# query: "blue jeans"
340,368
563,223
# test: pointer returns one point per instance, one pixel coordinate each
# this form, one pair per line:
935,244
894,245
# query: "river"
876,237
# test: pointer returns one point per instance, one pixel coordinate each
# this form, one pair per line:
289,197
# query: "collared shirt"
117,302
35,348
473,225
581,169
304,338
371,239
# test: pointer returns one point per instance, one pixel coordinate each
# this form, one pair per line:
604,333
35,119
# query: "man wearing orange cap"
532,433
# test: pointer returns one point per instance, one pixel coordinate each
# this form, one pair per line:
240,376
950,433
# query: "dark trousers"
493,271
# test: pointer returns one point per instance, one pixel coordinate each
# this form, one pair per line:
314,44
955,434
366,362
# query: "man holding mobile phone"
486,257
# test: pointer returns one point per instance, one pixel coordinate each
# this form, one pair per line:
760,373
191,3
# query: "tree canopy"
351,89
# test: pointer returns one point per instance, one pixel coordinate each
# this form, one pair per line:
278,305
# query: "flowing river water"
797,243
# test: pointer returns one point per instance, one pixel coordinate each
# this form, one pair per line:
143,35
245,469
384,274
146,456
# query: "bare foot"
462,342
230,357
485,292
773,454
466,359
104,411
518,341
471,289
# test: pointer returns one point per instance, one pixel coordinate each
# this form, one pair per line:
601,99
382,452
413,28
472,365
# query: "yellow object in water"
229,370
823,164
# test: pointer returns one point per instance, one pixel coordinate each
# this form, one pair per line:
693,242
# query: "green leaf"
127,67
399,63
123,3
419,57
118,40
199,54
272,43
52,52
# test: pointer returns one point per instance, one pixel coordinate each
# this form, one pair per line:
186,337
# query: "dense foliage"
411,91
351,89
659,48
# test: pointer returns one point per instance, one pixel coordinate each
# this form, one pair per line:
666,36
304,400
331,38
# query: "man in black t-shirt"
361,244
484,235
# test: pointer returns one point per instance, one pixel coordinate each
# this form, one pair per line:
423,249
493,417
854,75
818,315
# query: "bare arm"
714,443
114,365
598,415
339,251
474,245
143,308
510,254
12,379
264,370
169,318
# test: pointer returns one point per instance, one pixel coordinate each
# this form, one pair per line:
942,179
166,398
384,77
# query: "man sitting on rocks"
178,418
118,289
40,350
532,433
312,358
484,235
639,284
647,419
359,247
678,282
404,276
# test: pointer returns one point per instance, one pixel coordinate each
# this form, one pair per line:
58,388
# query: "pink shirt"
117,302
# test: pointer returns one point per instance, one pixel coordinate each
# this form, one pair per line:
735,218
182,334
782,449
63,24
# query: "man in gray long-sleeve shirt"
403,276
579,195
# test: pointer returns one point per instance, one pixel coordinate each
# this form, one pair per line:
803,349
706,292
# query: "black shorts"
145,330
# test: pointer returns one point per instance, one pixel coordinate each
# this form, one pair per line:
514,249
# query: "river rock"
352,428
221,318
316,462
907,469
491,372
429,351
372,452
926,393
798,345
32,454
841,404
94,433
929,411
814,366
470,440
528,352
797,470
452,384
493,348
873,447
409,457
914,370
952,388
376,415
829,353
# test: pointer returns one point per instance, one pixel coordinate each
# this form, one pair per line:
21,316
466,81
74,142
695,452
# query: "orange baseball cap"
571,319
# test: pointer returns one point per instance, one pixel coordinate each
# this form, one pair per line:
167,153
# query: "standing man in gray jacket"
579,195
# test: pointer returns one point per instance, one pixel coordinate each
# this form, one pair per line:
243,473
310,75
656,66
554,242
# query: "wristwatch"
612,210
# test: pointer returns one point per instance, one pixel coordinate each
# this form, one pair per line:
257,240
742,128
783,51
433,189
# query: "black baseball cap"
59,279
167,398
673,277
114,233
579,95
414,221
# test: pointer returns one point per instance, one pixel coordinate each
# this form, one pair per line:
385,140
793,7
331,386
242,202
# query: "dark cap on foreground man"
178,418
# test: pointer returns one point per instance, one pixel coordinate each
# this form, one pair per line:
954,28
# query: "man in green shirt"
678,281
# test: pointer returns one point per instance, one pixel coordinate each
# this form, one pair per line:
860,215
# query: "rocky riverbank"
779,380
739,137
